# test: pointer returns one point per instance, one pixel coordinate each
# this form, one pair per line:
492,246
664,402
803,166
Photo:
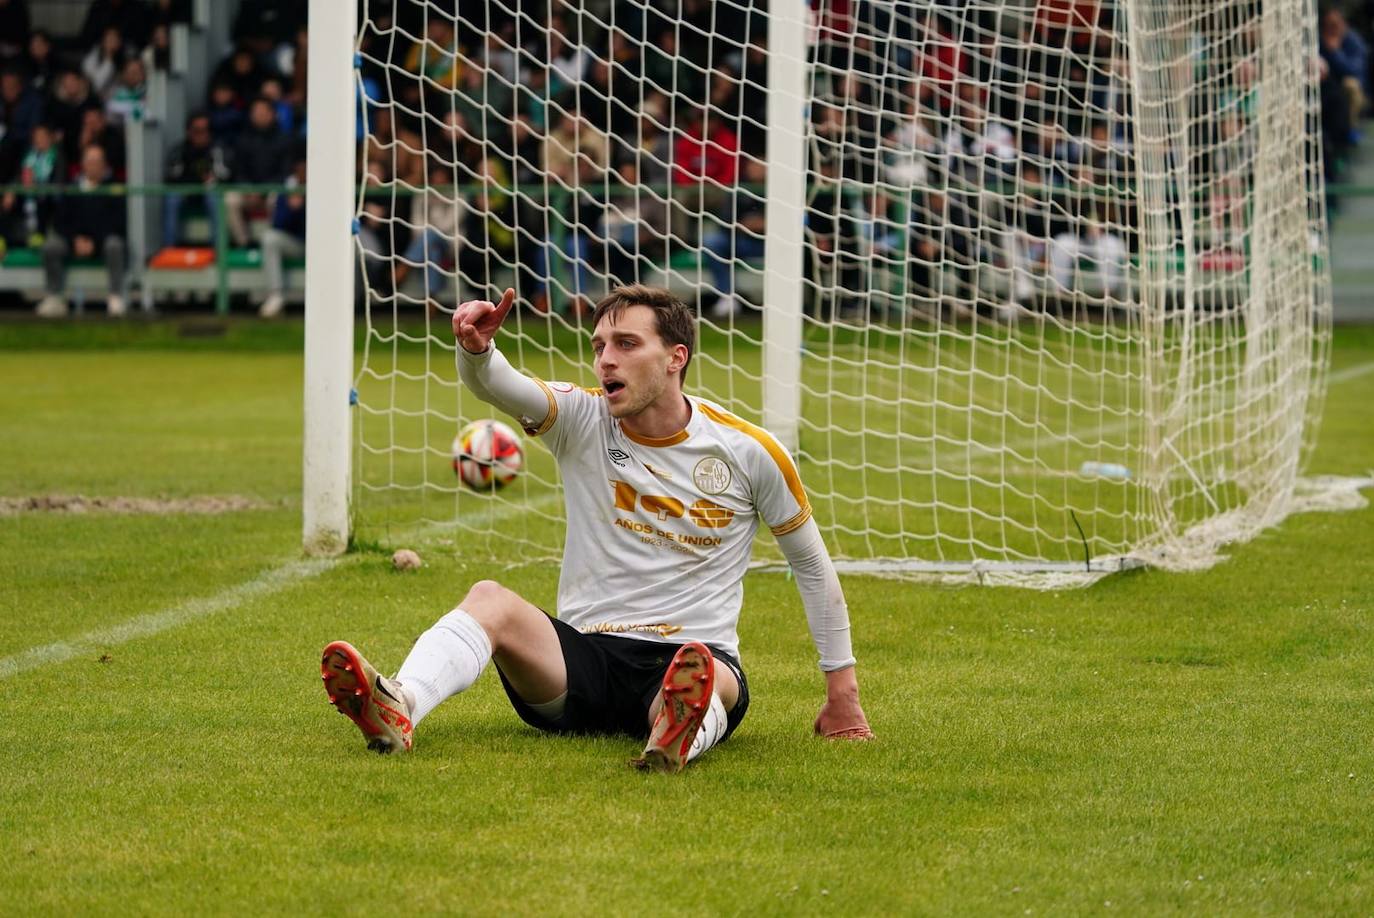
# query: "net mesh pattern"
1065,300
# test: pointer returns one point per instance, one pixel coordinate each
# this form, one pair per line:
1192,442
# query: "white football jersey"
660,531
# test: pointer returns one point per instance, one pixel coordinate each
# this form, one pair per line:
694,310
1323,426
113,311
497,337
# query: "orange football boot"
686,696
373,702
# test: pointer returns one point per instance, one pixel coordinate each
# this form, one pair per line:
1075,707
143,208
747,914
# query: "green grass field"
1154,743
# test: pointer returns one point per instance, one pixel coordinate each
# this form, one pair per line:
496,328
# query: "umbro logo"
618,456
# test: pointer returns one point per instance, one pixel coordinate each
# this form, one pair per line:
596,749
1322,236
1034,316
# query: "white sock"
712,728
446,659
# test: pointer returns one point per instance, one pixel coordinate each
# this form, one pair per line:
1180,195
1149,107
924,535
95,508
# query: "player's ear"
678,358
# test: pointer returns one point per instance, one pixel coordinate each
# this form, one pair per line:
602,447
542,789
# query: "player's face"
633,364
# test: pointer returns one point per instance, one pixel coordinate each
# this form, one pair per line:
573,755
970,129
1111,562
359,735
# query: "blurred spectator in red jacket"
940,60
705,149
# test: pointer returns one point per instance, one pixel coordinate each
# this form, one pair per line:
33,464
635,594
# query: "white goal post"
326,479
1034,290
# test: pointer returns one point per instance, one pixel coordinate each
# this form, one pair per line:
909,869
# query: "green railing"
556,197
220,242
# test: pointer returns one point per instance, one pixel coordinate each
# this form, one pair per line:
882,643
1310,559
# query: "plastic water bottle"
1104,470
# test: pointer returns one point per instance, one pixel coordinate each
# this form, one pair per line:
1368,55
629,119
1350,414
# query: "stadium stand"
140,79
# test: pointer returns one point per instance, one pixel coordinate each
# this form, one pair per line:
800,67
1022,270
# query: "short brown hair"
672,318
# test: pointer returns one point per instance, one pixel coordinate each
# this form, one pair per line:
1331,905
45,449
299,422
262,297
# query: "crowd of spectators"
586,161
1345,89
250,132
963,152
64,103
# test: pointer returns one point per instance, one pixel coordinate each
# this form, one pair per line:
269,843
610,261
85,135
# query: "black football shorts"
612,681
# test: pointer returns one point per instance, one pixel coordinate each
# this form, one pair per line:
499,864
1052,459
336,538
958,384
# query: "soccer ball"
487,455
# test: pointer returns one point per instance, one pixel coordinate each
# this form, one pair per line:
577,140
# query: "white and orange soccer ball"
487,455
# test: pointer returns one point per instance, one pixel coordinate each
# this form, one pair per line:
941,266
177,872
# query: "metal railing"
219,240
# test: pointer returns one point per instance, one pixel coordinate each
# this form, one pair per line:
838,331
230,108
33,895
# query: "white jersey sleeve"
490,377
541,408
827,615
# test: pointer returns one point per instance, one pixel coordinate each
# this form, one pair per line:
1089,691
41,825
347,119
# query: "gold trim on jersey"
784,462
553,410
672,440
793,524
663,629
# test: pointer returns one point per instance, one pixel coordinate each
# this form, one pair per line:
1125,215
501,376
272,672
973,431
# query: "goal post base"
1040,575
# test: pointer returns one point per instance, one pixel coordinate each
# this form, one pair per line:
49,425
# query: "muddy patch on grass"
76,503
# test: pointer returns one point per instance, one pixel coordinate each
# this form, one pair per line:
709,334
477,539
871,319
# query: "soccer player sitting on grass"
664,493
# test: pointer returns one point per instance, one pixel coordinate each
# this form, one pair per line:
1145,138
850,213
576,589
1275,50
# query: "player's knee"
485,592
501,612
489,603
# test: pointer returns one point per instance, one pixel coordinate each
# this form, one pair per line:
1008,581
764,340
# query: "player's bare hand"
476,321
843,721
842,717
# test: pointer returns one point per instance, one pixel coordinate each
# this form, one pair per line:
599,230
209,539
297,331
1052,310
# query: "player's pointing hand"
476,321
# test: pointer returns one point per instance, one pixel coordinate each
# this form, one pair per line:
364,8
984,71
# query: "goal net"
1033,290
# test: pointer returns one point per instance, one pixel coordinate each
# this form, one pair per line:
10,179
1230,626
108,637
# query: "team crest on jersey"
618,456
712,475
561,387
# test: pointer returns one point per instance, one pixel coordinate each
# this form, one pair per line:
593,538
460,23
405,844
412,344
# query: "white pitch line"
1350,373
265,584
